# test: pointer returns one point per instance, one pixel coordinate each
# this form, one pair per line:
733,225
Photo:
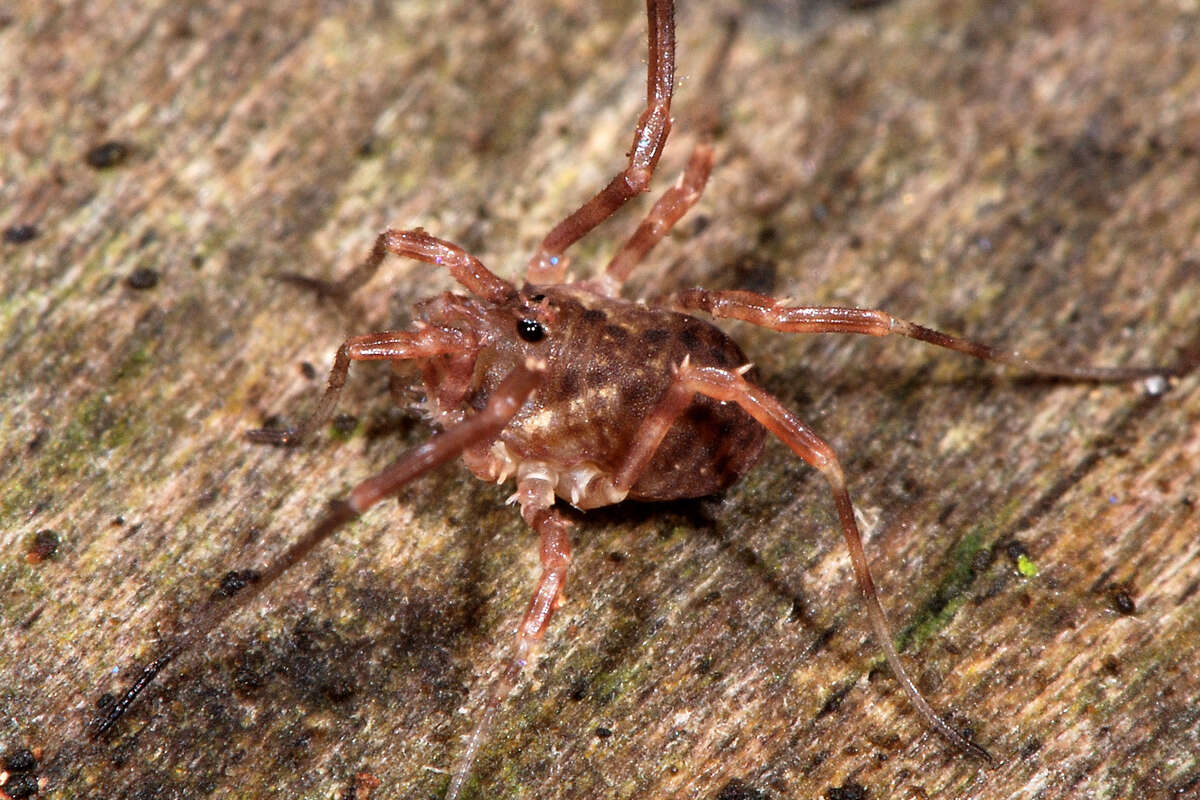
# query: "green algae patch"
950,593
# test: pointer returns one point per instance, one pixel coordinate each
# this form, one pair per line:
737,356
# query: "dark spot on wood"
823,640
44,545
578,690
308,370
344,424
1189,592
273,422
755,274
602,732
1015,551
1122,599
338,688
20,233
37,440
246,678
142,278
107,155
799,612
633,395
233,582
865,5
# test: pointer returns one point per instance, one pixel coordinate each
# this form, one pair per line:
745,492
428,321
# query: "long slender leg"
678,200
548,264
466,269
504,403
536,495
386,346
670,208
770,313
730,386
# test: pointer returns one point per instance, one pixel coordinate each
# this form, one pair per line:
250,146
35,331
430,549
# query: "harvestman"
581,395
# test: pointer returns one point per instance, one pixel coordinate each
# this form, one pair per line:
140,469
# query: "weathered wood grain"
1026,173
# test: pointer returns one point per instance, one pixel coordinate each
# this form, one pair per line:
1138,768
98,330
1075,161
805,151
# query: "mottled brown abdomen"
609,362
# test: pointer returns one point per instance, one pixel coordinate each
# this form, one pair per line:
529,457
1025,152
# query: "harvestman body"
579,394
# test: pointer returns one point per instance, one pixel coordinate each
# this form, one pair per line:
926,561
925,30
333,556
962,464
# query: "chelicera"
579,394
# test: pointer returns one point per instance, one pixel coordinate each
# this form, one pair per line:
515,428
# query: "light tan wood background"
1026,173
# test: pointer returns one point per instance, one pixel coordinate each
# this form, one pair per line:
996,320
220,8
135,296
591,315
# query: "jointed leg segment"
442,447
386,346
417,244
536,497
770,313
730,386
548,265
670,208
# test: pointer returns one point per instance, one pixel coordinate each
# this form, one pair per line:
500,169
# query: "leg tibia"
485,425
548,264
552,529
387,346
730,386
770,313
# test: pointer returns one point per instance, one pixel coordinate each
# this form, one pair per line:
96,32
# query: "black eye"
530,330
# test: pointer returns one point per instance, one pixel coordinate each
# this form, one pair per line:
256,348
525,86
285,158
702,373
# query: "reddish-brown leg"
770,313
504,403
386,346
466,269
669,209
730,386
536,496
678,200
548,264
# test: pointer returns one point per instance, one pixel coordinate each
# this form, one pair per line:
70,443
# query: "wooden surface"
1025,173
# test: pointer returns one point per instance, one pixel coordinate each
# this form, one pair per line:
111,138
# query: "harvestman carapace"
579,394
